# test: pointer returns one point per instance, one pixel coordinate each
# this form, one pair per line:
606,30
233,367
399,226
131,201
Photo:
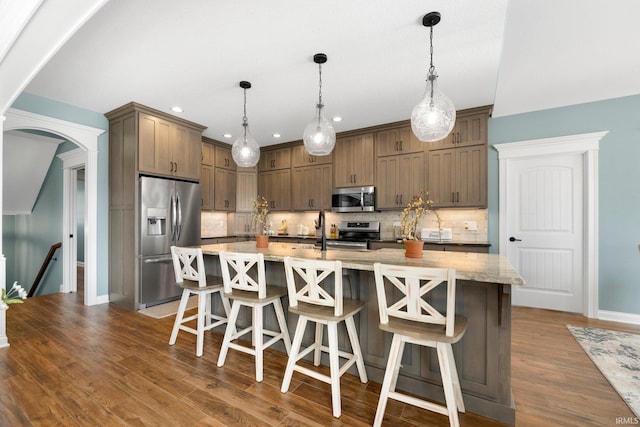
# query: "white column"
4,341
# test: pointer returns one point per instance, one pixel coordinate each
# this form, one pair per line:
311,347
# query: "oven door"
346,244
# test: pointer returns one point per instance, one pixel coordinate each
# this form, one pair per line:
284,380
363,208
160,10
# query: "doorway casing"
86,138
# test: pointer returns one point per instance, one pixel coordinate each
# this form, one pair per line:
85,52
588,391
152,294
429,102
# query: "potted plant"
16,295
417,208
261,221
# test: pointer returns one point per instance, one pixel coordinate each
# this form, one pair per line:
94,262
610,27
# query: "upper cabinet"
247,189
168,148
224,188
301,157
400,167
400,140
162,144
275,159
457,165
353,161
223,157
470,129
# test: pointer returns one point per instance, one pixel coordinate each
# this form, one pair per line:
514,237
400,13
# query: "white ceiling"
519,55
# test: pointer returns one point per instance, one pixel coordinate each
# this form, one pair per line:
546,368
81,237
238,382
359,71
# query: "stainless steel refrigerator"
169,215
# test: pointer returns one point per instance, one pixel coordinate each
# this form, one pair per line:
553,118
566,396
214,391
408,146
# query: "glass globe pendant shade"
319,137
433,118
245,150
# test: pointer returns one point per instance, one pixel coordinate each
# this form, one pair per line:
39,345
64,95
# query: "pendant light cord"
245,121
320,86
432,70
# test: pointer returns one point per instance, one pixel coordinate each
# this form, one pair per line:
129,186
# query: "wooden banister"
43,268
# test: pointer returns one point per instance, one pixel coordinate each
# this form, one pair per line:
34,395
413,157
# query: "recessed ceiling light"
176,109
276,135
337,119
227,135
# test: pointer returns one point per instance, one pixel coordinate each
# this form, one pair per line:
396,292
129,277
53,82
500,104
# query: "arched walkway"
86,138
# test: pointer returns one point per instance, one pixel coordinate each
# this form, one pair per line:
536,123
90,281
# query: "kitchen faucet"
320,224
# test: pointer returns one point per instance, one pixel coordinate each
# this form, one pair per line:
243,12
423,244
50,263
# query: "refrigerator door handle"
173,218
158,260
179,227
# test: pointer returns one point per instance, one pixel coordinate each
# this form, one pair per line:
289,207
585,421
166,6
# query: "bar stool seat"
194,281
407,313
244,284
312,303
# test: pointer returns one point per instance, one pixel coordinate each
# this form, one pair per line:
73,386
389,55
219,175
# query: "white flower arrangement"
16,295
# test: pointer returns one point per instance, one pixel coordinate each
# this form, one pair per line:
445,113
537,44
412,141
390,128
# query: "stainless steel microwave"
353,199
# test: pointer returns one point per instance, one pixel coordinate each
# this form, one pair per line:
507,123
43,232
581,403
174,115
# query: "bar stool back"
251,290
188,266
312,303
412,319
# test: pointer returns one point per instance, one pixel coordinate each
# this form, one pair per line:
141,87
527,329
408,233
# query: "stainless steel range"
355,234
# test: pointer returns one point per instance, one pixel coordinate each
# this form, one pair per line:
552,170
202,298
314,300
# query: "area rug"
617,355
168,309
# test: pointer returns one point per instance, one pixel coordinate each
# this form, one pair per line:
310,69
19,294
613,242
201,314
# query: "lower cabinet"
478,248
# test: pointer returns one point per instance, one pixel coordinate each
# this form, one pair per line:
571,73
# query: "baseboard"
101,299
615,316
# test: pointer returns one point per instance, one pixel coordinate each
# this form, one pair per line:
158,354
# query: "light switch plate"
471,225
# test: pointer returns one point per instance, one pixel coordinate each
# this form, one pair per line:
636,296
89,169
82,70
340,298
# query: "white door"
545,206
555,216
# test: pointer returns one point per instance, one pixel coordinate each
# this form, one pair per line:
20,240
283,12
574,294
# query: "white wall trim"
586,144
615,316
71,160
86,138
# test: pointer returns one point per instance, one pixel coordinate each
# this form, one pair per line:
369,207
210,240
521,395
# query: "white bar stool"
312,303
244,288
411,319
194,281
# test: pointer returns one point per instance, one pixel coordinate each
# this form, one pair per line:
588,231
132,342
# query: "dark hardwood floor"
106,366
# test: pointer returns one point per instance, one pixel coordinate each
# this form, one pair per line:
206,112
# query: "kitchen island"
483,295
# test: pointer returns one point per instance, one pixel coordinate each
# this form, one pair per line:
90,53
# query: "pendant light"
434,116
319,136
245,150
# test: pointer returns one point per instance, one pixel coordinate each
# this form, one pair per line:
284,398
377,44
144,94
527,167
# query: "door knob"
513,239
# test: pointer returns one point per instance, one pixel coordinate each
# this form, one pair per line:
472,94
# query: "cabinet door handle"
401,199
171,166
396,145
457,197
400,145
176,163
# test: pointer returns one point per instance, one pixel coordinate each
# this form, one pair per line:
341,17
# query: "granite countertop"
480,267
427,242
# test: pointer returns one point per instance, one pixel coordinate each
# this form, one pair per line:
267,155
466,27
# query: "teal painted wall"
619,185
51,108
28,241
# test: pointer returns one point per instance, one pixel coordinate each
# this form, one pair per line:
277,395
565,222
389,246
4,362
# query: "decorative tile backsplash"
215,224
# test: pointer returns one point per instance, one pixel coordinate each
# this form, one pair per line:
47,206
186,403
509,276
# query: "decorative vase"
262,241
413,248
4,342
